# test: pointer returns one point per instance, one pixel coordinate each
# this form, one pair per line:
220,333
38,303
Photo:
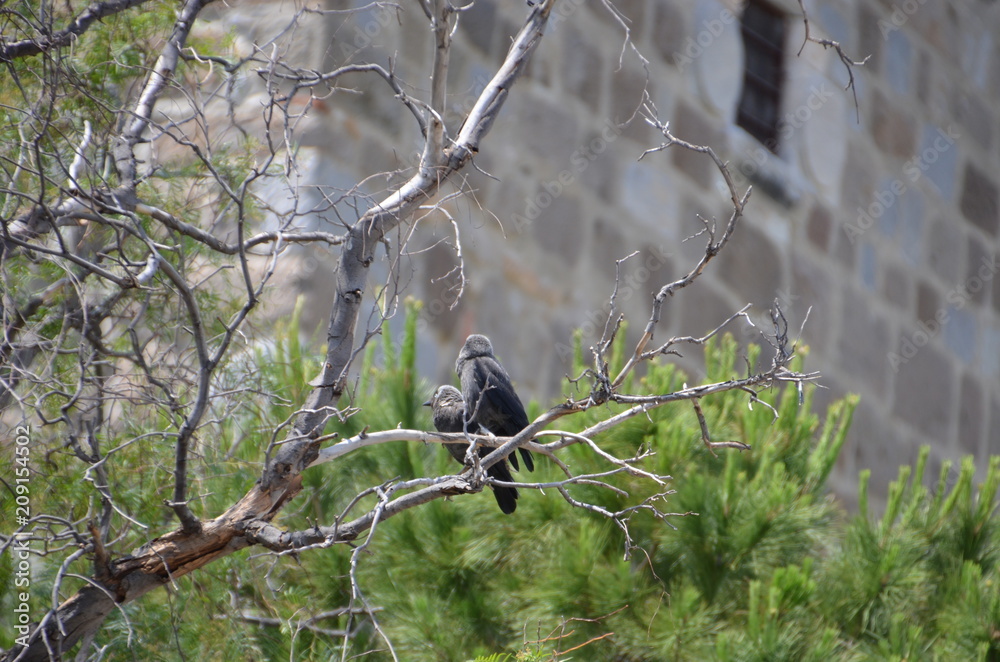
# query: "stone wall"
882,218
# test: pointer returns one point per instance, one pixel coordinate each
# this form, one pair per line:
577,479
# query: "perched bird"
489,396
448,410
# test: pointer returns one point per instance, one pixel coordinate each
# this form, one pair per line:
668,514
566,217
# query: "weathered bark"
79,25
178,552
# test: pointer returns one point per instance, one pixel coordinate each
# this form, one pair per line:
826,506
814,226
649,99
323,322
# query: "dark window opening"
763,29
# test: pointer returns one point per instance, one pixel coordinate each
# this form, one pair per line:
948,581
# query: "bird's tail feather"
506,496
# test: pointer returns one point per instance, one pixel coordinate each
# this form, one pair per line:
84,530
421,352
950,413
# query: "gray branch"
247,522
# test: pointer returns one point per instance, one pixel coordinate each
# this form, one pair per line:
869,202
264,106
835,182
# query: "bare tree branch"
79,25
848,62
189,548
141,247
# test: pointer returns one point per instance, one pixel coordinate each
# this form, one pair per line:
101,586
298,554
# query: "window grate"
763,29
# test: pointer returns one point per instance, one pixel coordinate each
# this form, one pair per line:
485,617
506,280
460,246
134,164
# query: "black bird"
449,416
489,395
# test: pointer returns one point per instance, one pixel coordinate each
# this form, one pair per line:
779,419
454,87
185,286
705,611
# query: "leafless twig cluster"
120,319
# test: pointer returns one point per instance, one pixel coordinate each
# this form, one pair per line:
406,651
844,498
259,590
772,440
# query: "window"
763,29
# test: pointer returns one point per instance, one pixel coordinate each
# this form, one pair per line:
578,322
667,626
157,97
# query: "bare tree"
121,230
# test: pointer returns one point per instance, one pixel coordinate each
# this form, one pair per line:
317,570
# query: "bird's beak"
427,404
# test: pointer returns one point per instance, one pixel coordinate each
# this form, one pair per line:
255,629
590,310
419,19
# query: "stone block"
478,23
505,37
976,118
929,302
864,343
511,203
751,266
835,25
893,128
670,30
868,266
925,386
959,333
870,37
989,352
938,158
899,61
559,228
819,225
375,158
658,261
471,76
938,23
897,286
995,286
440,287
912,224
924,75
812,285
641,277
819,118
718,67
994,89
597,164
635,12
945,249
971,416
627,85
479,184
979,275
693,126
885,209
701,308
608,245
844,250
858,183
977,55
583,72
547,129
980,202
650,195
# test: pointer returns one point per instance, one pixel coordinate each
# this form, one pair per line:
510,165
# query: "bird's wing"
500,393
500,470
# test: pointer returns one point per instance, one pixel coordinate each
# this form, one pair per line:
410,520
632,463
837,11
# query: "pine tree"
765,566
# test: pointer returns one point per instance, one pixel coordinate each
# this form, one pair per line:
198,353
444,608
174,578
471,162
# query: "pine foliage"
765,565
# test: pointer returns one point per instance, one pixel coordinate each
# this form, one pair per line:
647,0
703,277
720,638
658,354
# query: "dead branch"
848,62
247,522
712,248
79,25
